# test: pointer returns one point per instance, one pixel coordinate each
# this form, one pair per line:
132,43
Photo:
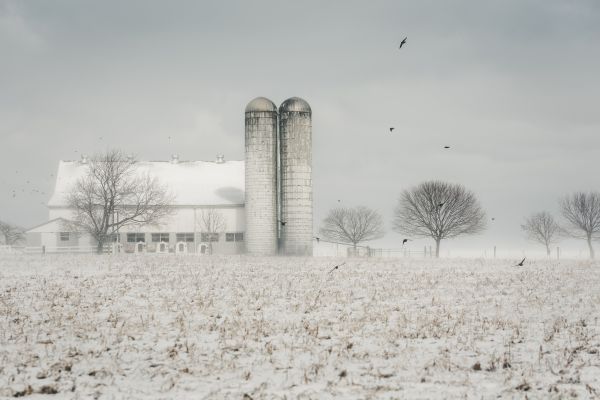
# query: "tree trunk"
437,247
589,240
100,246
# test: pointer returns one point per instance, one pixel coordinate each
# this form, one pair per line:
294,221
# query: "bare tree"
12,234
582,212
542,228
352,225
212,225
113,194
439,210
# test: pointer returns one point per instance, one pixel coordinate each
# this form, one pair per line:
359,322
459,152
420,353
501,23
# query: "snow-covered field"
274,328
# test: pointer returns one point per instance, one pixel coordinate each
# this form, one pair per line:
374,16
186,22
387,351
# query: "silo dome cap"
295,104
261,104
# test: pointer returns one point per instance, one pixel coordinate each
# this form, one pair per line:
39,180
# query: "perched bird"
404,241
521,263
493,219
446,147
441,204
391,129
336,267
403,42
282,223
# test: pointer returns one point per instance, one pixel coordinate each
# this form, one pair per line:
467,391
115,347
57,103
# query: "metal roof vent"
175,159
220,159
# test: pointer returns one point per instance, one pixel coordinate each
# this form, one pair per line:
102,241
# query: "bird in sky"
404,241
446,147
391,129
493,219
336,267
521,263
403,42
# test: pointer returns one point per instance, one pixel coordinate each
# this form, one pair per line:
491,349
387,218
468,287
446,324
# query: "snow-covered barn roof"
193,183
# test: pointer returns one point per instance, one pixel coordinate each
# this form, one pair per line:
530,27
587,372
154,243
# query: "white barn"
196,187
266,200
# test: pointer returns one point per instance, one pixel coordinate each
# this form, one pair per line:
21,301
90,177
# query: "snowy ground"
274,328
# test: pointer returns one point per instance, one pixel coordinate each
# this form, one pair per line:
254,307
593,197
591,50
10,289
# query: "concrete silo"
295,153
261,177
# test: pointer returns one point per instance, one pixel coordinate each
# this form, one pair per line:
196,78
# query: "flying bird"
404,241
493,219
521,263
336,267
403,42
391,129
446,147
283,222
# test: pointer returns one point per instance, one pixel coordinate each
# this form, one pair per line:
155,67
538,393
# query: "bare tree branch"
438,210
212,224
582,212
352,225
542,228
112,195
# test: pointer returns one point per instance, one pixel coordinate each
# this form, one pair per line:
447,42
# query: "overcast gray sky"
513,86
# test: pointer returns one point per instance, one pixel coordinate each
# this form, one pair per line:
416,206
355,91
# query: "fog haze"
511,86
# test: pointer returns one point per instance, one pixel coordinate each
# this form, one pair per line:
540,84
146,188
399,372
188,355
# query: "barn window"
209,237
185,237
136,237
234,237
160,237
64,236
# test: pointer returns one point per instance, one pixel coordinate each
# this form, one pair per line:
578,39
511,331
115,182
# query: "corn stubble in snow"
189,327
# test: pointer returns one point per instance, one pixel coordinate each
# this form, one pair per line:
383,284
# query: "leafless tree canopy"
11,234
582,212
212,224
542,228
352,225
438,210
113,195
